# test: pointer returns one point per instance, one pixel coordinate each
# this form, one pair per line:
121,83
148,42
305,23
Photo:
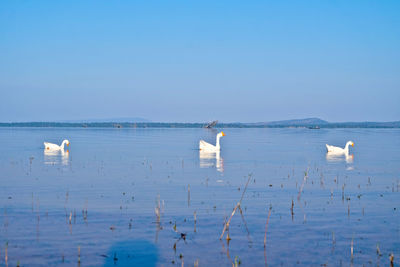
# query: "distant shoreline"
284,124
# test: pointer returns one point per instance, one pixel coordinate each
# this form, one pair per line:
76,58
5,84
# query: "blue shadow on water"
132,253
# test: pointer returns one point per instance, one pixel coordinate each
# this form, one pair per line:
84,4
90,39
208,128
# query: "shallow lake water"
148,197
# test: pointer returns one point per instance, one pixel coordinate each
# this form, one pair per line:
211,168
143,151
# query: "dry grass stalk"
245,224
266,227
291,210
6,256
157,210
188,195
245,188
226,226
228,222
195,220
302,185
352,242
343,192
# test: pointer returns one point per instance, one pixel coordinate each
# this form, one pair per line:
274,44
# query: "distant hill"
313,122
297,122
316,122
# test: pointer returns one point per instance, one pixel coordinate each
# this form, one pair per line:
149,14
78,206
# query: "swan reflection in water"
332,157
53,157
207,160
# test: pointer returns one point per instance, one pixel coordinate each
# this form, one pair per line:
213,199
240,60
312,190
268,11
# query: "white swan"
338,150
50,146
207,147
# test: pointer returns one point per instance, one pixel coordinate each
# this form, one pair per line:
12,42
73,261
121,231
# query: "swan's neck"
62,144
217,143
346,148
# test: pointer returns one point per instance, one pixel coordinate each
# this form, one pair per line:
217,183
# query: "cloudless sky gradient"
187,61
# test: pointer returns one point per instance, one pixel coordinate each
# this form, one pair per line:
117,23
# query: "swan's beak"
223,134
67,144
352,144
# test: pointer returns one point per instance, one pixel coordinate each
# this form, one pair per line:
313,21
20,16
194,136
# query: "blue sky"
187,61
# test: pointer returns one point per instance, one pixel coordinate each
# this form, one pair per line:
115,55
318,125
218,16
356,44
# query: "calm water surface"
103,196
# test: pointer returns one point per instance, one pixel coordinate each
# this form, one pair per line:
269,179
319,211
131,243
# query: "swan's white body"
338,150
207,147
50,146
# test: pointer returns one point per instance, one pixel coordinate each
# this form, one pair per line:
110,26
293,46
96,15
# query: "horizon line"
94,121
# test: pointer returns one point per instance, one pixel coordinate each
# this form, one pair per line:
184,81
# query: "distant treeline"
201,125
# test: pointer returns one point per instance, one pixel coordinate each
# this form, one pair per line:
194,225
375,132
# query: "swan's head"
349,143
222,133
66,142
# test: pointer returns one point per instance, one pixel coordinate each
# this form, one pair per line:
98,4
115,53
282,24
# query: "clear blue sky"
183,61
